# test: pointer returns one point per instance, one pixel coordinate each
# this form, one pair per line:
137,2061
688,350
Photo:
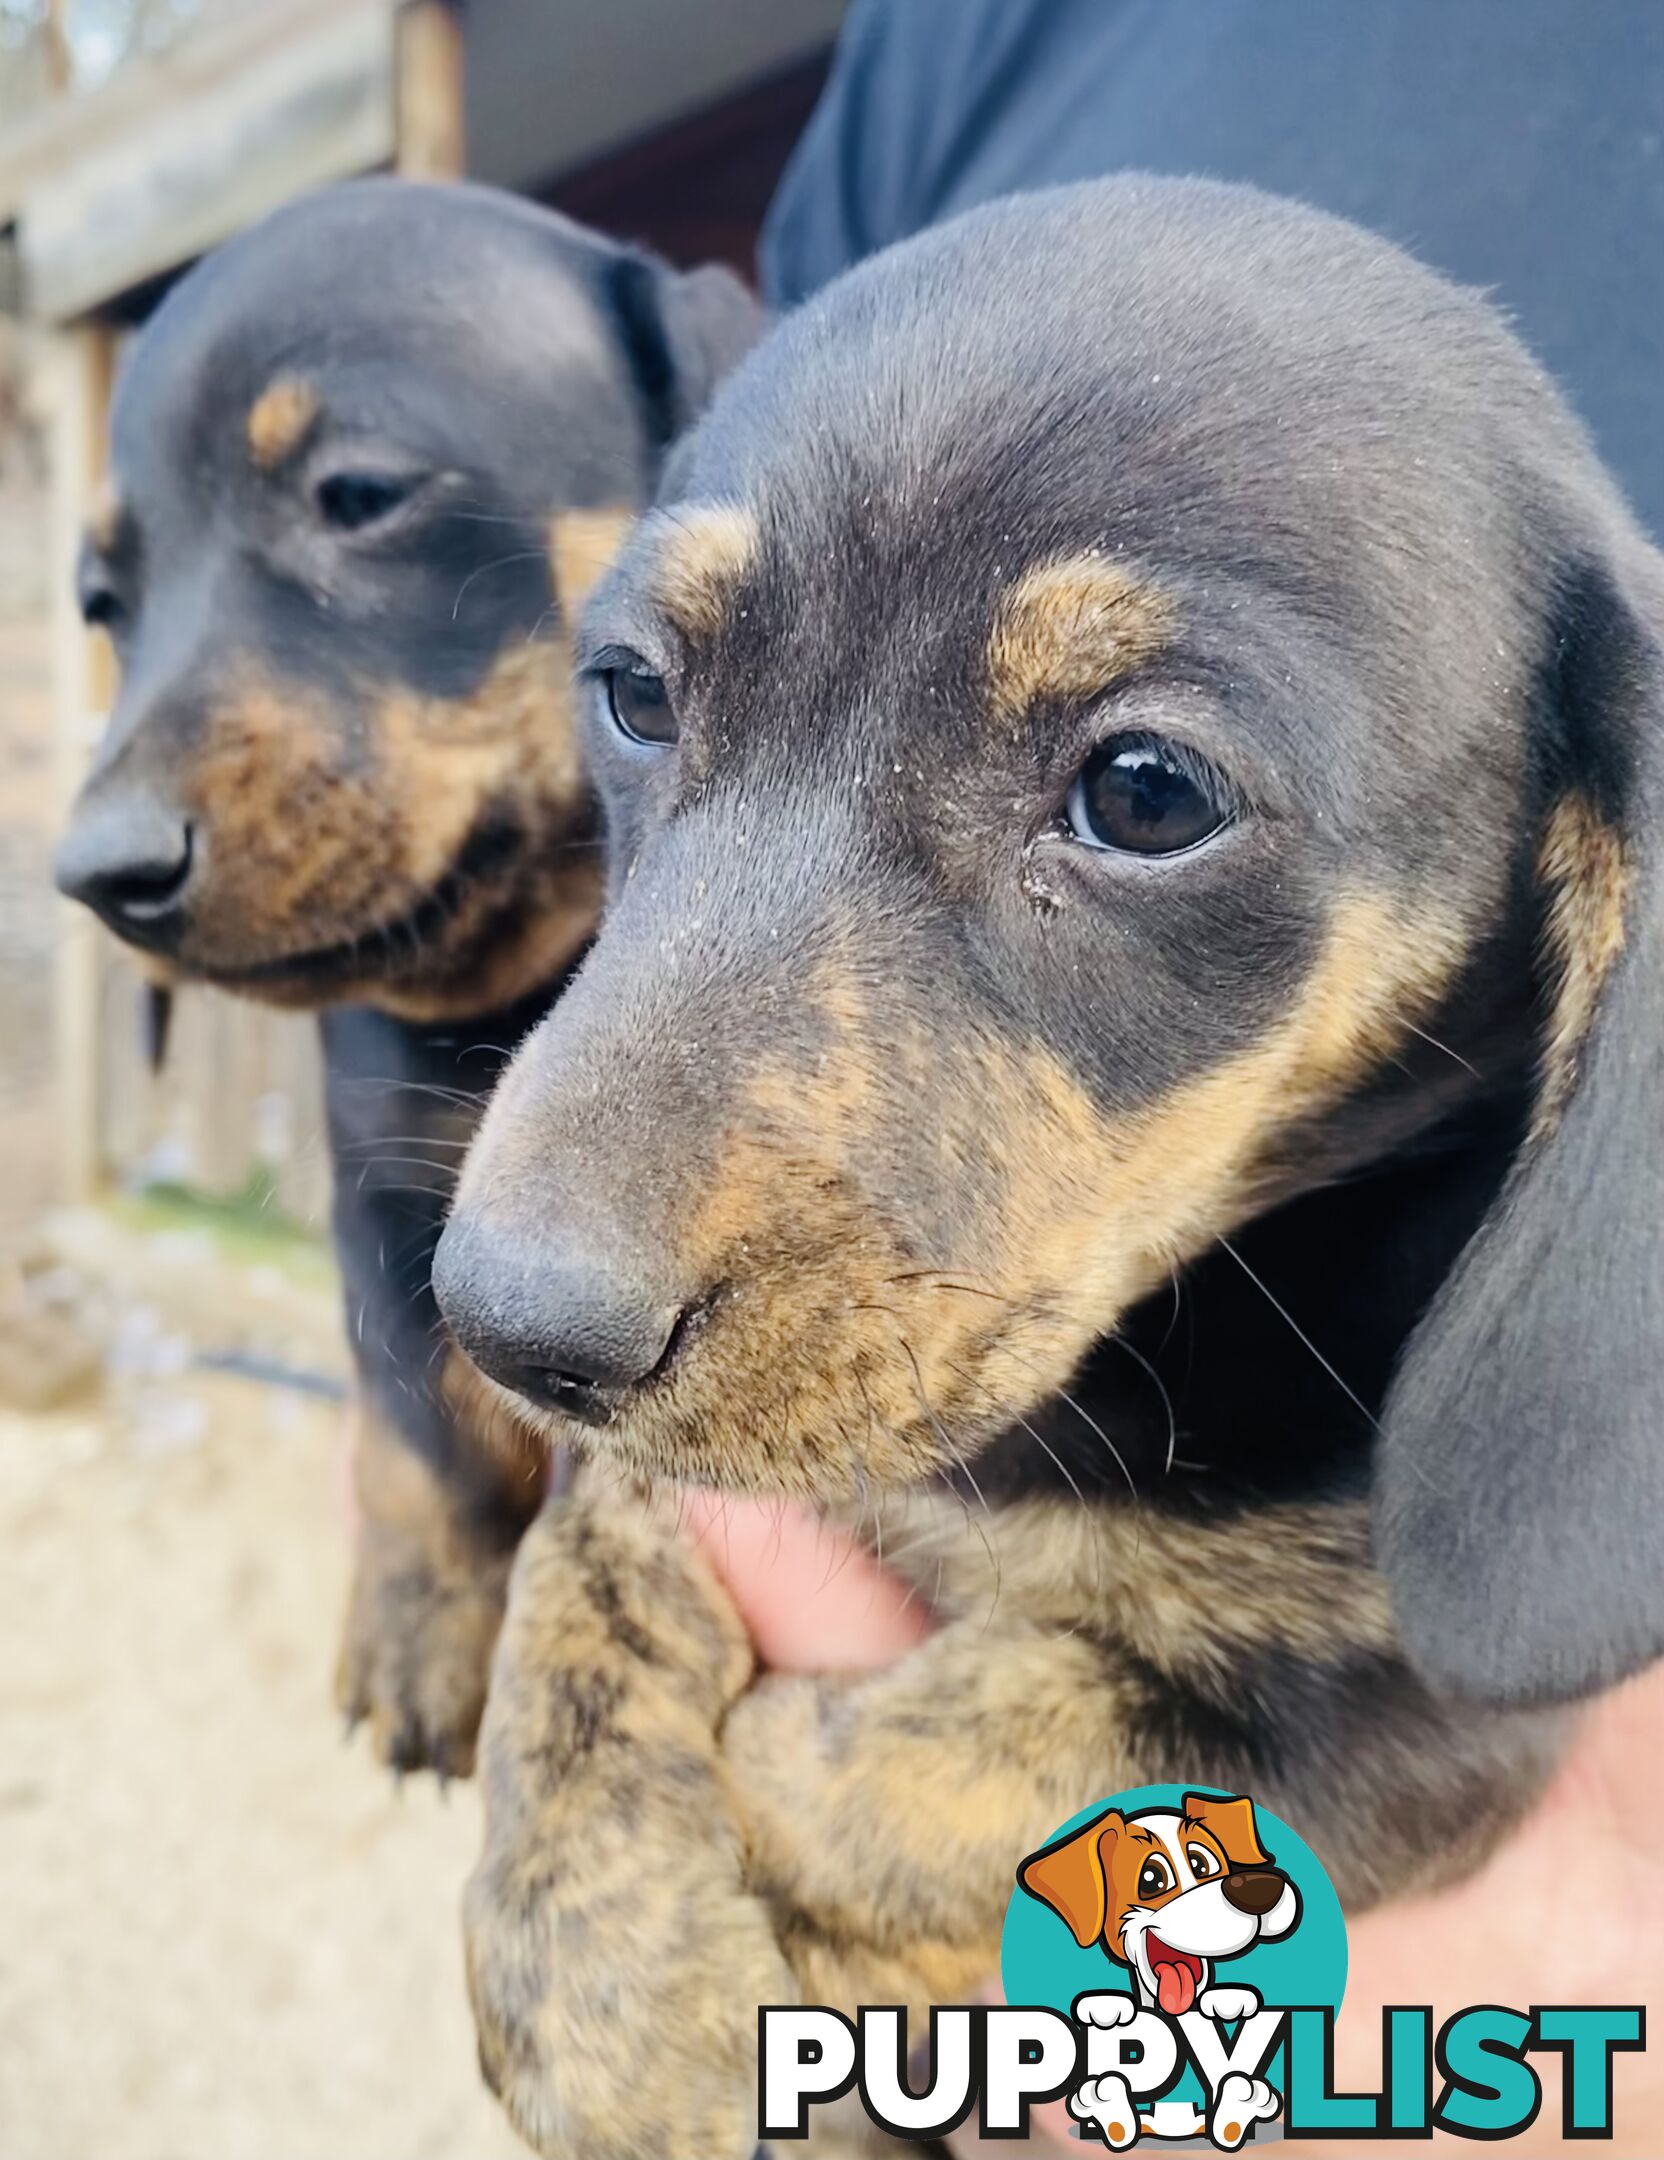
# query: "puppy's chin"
491,931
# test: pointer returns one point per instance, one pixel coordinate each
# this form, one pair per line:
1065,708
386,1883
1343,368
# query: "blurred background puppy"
365,463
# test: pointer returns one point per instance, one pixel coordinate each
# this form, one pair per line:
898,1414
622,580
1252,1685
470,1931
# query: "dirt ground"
222,1932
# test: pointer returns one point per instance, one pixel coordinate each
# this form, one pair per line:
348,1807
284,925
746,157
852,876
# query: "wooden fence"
236,1112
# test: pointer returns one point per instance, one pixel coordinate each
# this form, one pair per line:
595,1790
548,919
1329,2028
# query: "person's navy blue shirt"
1515,144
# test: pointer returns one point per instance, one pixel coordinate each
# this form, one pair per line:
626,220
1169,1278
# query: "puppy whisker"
502,562
1434,1043
928,1275
459,1096
439,1140
959,1463
1138,1358
1282,1310
1046,1447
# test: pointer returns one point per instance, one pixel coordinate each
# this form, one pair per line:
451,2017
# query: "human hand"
812,1598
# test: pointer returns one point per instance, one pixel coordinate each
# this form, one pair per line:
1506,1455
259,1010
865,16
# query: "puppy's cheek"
321,826
499,819
1100,1208
282,821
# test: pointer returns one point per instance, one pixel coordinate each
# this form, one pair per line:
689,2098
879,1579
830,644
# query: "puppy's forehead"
1180,374
428,313
1164,1832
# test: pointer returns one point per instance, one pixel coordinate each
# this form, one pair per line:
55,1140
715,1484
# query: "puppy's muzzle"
1254,1890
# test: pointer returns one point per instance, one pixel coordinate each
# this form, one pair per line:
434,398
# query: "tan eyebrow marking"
582,544
702,555
280,419
1068,629
1143,1836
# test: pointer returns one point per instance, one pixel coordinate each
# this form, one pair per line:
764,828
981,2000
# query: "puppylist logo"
1173,1962
1171,1896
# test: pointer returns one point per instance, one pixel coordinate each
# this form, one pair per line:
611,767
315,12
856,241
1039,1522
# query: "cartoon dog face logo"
1168,1892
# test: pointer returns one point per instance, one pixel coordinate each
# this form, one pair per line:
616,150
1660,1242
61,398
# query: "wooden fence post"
81,361
429,92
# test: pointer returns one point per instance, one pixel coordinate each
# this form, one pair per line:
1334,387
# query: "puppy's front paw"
1106,2010
615,1961
1240,2103
617,2018
416,1646
1107,2101
1226,2004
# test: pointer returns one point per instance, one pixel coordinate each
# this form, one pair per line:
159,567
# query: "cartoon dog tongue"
1175,1976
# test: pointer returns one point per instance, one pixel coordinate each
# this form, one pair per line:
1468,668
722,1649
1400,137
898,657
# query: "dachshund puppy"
367,460
1118,1062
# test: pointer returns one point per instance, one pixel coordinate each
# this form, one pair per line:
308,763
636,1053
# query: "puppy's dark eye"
639,703
100,608
1202,1862
350,501
1138,795
1154,1877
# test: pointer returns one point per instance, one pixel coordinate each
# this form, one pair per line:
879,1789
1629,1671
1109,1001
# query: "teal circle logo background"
1040,1961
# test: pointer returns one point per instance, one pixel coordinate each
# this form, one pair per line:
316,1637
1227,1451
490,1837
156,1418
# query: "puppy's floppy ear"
681,331
1233,1823
1071,1876
1521,1481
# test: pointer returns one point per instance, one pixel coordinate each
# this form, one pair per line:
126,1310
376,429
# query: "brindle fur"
1099,1237
664,1854
369,737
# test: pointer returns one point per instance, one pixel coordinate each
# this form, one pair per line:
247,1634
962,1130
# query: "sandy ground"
222,1933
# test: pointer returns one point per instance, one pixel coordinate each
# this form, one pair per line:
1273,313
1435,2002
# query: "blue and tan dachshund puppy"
1121,1060
366,462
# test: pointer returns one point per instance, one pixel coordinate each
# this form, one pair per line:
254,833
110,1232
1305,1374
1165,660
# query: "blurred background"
221,1931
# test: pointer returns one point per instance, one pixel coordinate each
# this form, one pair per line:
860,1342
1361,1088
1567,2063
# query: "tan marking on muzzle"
510,740
700,557
280,419
839,1356
1588,878
313,842
1067,630
1101,1208
510,745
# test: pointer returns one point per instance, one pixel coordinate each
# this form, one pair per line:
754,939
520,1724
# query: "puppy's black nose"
568,1331
1253,1890
129,859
